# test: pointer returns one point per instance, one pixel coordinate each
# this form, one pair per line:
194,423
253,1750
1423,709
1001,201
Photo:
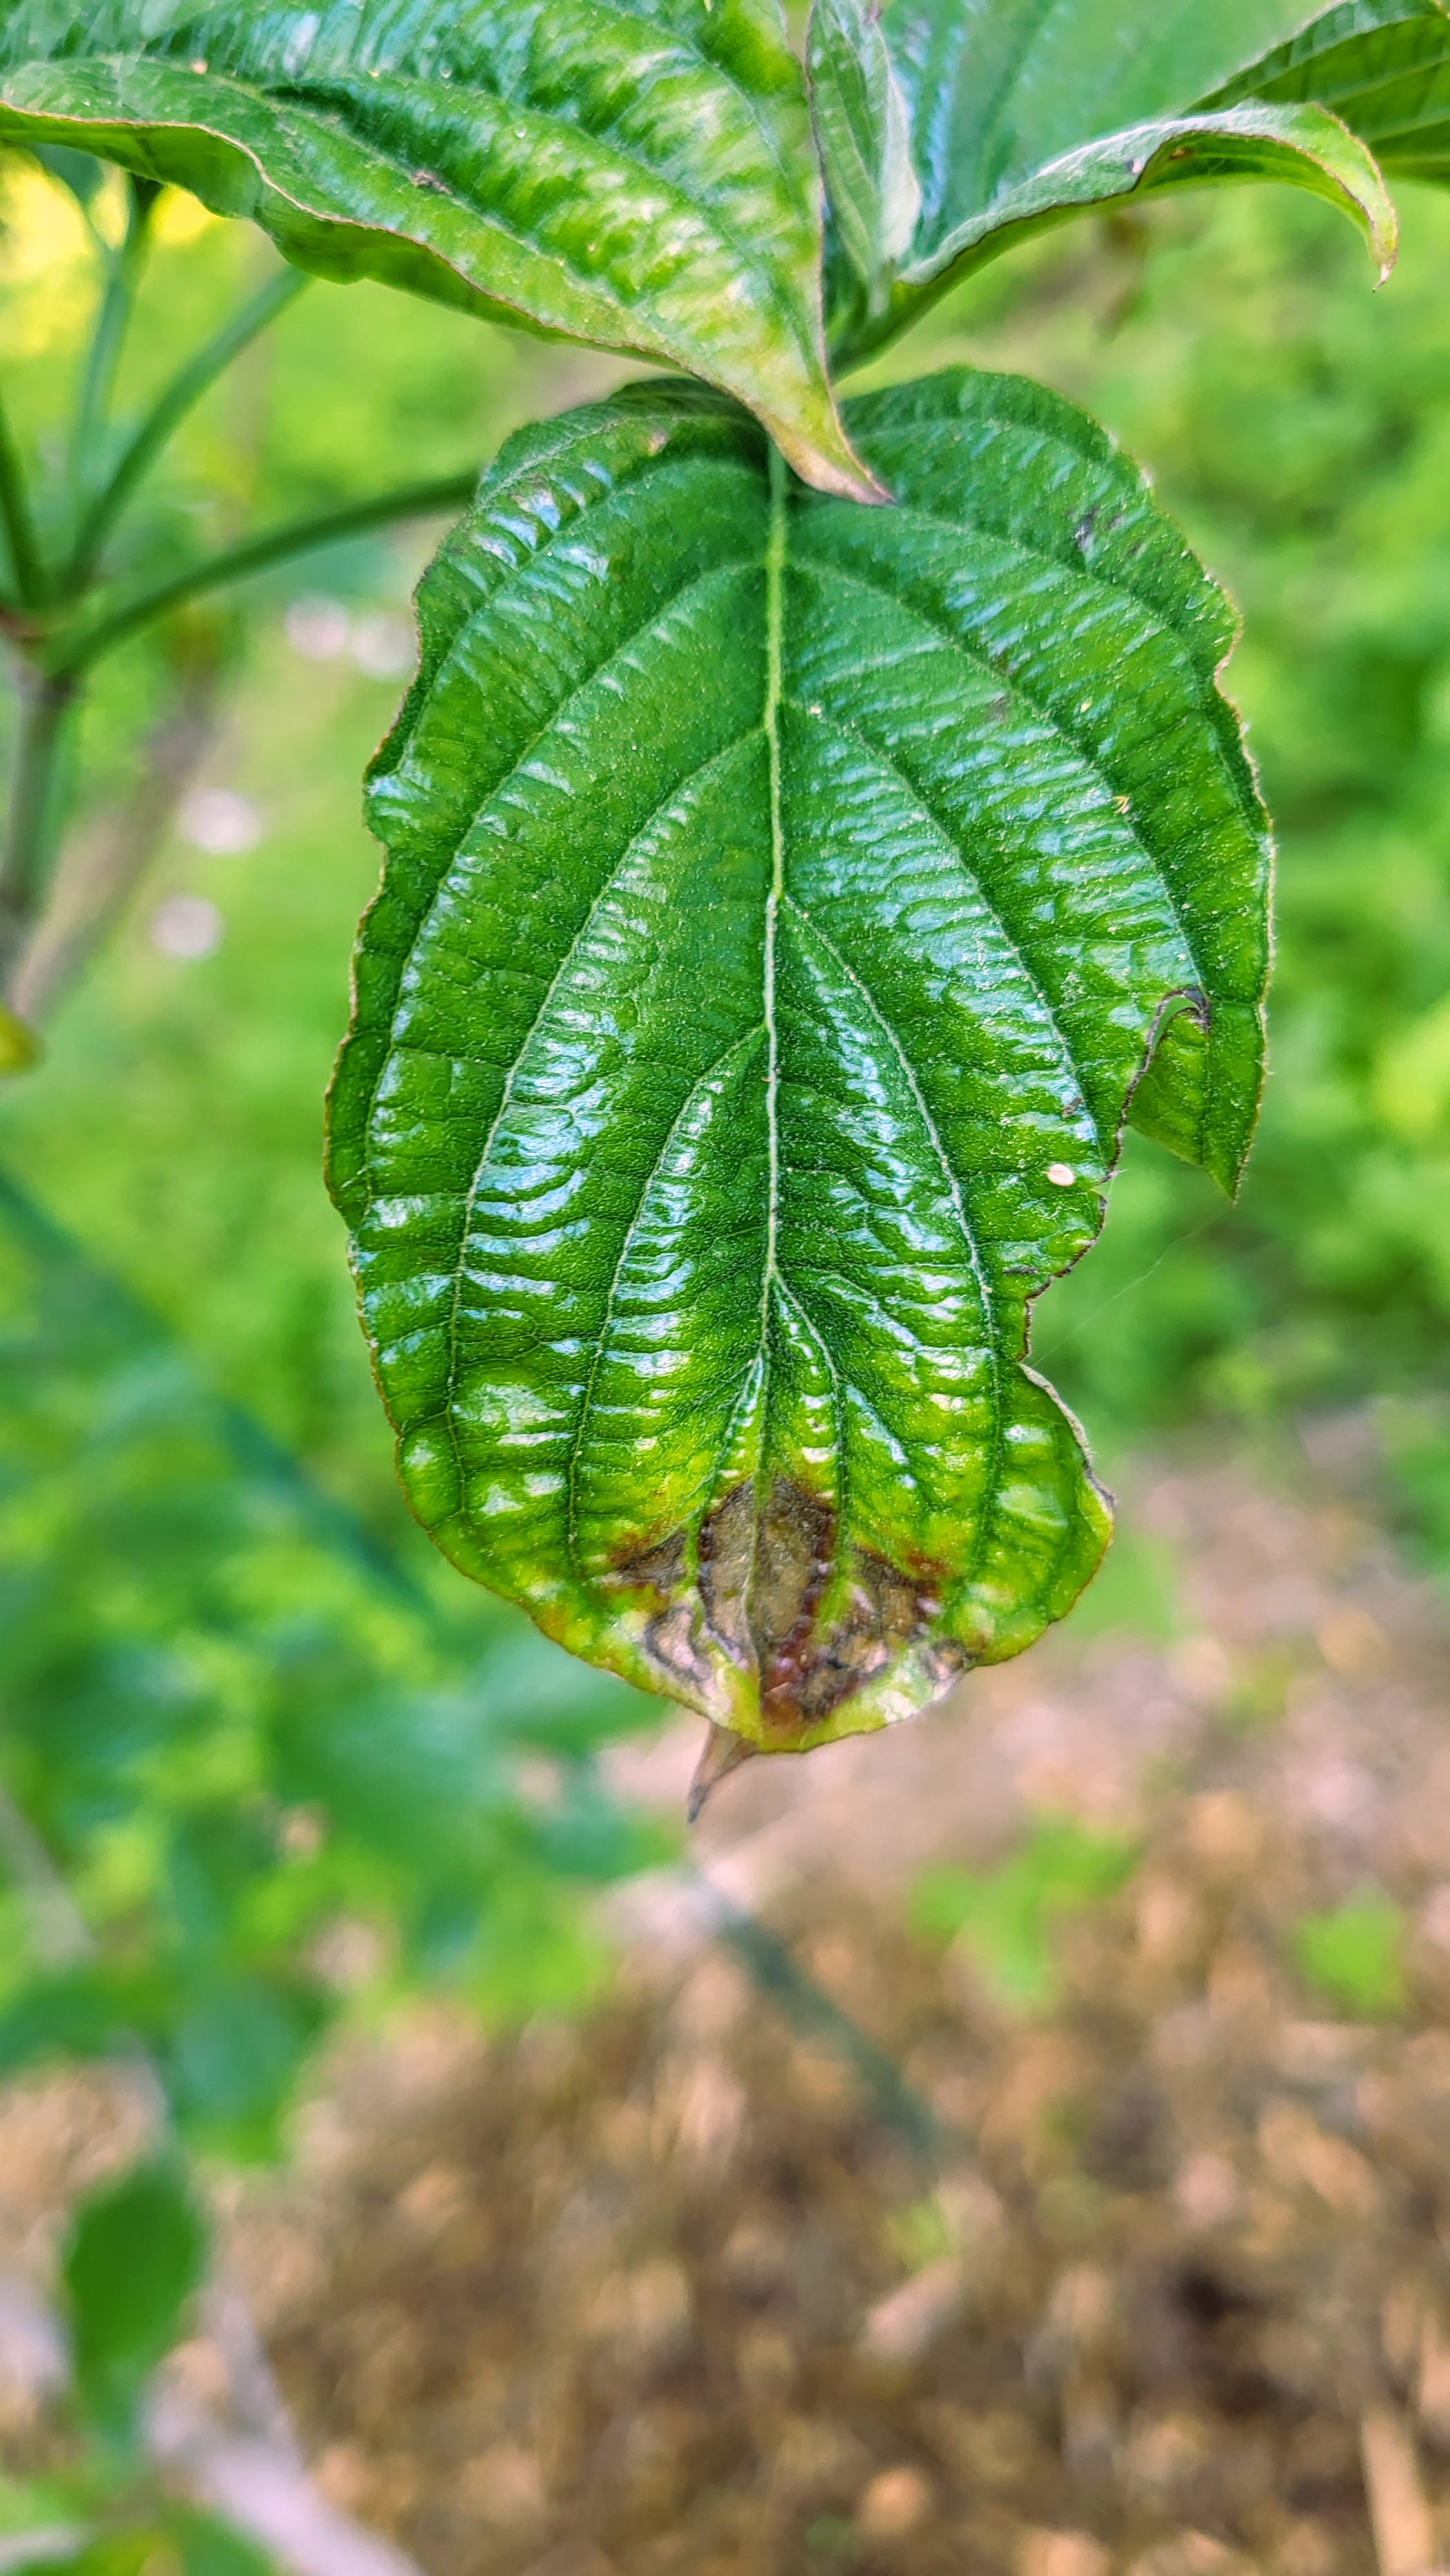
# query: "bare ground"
666,2292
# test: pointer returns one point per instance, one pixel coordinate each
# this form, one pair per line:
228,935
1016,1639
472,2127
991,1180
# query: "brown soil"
666,2292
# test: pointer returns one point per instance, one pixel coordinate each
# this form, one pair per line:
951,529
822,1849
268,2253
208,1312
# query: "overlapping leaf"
1383,66
1021,115
636,173
781,901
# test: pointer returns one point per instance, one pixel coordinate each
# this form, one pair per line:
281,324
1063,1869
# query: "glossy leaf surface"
781,900
1023,114
1383,66
634,173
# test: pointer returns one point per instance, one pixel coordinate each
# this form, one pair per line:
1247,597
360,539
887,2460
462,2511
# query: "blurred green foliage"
1006,1919
256,1748
1354,1955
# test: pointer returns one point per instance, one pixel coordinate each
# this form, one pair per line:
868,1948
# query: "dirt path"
1170,2293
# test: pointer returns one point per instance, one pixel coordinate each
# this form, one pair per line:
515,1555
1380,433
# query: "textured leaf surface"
636,173
1023,111
1383,66
781,900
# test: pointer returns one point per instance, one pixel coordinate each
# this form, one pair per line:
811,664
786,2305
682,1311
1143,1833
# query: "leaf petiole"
32,804
73,653
27,571
118,298
167,413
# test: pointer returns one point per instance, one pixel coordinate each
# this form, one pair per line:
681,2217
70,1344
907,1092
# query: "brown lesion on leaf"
763,1575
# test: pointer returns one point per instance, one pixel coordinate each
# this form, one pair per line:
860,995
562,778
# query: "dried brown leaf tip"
769,1590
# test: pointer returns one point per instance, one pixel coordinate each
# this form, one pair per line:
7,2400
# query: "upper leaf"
1022,114
1383,66
634,173
781,901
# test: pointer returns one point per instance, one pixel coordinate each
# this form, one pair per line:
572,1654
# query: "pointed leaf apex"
823,456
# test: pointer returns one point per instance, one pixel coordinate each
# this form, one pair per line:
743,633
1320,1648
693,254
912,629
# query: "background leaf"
781,902
633,173
1021,116
137,2252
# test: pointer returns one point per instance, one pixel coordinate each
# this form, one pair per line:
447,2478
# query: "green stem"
71,653
170,409
48,699
25,560
103,356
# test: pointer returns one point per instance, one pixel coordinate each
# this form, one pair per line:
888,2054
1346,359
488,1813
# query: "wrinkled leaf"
1383,66
1023,115
634,173
863,135
137,2252
781,901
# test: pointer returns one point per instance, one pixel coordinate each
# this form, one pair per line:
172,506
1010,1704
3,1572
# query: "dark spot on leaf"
1083,532
763,1575
658,1568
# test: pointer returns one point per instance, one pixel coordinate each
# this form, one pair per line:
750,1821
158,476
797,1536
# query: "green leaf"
864,139
1355,1954
633,173
1023,116
781,901
137,2252
1382,66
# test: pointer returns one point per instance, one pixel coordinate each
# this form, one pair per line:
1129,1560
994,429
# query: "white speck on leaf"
1061,1175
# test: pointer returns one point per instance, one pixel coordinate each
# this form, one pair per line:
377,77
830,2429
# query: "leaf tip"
829,464
722,1752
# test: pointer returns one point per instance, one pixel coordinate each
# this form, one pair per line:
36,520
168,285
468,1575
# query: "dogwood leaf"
633,173
1023,115
782,900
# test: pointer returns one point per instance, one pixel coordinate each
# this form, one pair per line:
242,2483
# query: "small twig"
99,873
775,1973
25,562
1400,2518
258,2402
169,410
47,700
267,2496
118,296
72,653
